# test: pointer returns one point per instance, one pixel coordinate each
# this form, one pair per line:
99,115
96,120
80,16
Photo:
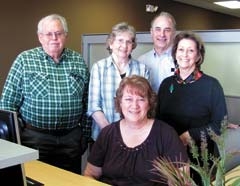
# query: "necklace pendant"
171,88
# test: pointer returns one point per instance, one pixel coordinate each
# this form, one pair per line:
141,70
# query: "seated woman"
124,152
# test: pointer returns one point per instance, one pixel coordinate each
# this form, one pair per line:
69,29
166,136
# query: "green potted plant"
177,177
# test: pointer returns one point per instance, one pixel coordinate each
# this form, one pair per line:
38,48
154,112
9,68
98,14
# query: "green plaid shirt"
48,95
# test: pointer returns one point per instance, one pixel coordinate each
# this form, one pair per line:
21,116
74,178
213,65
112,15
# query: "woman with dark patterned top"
191,101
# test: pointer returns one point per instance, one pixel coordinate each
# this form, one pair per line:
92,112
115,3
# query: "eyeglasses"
54,34
122,41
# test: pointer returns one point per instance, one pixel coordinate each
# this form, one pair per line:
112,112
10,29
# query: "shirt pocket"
76,85
37,85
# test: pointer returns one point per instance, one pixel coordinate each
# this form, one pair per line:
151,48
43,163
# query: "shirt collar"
167,52
46,56
110,61
194,76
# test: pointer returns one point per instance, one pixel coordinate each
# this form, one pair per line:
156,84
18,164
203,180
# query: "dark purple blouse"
122,165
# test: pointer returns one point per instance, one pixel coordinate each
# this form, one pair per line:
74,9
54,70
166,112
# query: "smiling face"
122,45
162,33
187,54
134,105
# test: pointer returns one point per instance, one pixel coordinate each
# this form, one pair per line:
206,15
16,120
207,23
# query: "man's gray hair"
50,18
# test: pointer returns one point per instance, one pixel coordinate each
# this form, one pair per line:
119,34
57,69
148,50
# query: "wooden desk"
54,176
232,173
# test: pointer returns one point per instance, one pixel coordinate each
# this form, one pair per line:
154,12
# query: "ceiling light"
151,8
229,4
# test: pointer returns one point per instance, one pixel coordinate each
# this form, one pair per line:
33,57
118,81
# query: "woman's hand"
232,126
185,137
92,171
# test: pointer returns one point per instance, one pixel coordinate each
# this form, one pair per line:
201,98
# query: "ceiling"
208,4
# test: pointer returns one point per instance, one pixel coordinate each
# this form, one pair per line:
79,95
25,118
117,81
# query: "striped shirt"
48,95
104,81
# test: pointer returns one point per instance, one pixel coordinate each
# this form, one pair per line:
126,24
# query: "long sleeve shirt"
193,107
46,94
104,81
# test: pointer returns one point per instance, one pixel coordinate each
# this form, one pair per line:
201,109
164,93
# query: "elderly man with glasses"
48,87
